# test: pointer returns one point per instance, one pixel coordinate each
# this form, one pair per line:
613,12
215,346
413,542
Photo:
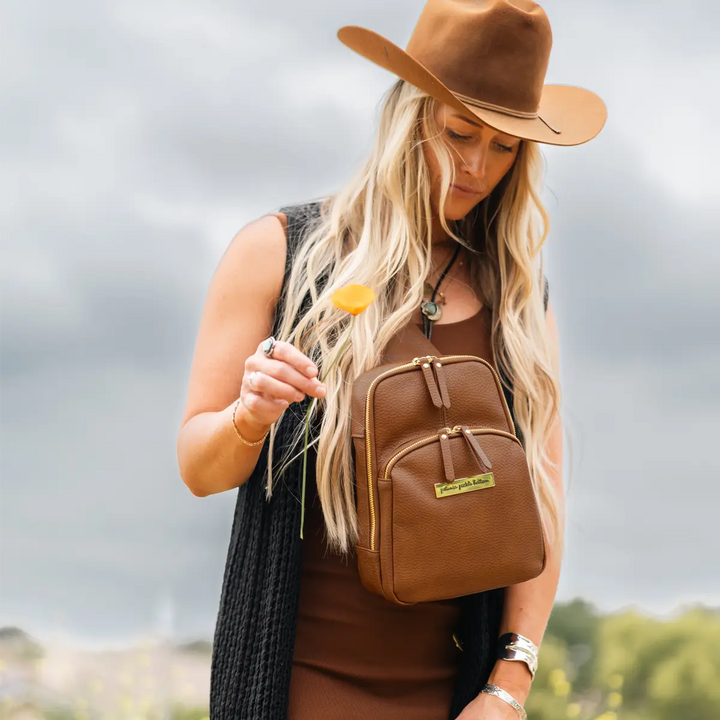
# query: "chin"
456,209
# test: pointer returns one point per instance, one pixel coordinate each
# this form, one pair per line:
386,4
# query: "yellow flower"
353,298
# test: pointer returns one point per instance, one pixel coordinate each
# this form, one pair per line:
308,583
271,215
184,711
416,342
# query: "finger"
270,386
286,373
288,353
261,408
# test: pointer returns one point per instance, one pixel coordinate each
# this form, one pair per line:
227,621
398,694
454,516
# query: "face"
482,156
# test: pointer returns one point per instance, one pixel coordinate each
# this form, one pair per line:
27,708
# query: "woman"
448,203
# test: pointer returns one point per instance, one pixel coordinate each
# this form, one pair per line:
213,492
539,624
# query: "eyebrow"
468,120
473,122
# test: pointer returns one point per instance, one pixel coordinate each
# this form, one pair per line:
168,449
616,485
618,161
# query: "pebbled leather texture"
420,547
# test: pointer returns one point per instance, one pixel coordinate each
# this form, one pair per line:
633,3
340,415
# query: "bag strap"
408,342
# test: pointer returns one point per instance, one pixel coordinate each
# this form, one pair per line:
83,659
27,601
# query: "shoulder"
263,238
282,218
254,261
269,240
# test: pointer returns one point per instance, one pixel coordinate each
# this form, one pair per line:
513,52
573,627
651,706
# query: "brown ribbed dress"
358,656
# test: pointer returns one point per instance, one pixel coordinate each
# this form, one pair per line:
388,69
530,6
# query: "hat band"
489,106
499,108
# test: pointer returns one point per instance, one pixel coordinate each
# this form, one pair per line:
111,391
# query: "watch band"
491,689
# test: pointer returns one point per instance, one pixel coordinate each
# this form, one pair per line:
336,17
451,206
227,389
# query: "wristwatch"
491,689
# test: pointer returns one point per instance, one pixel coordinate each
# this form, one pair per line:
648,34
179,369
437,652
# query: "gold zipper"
371,497
443,358
415,362
456,430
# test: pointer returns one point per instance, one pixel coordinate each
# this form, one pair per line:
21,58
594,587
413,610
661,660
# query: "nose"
474,161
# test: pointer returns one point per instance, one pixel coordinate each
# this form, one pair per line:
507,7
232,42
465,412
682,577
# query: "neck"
438,235
443,245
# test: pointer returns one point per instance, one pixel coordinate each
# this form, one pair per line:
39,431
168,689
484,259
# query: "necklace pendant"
431,310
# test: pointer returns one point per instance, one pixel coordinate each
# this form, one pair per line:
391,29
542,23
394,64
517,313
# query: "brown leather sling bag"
445,502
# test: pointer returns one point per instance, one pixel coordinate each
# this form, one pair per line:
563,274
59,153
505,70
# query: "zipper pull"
475,447
430,380
446,454
442,383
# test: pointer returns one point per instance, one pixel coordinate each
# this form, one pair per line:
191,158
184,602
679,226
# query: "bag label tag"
463,485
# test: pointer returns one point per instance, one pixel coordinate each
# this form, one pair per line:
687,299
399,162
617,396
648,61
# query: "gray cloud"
138,138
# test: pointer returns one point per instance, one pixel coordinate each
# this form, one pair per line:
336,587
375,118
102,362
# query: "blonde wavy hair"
376,231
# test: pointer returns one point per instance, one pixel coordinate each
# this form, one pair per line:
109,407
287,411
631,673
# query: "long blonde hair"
376,231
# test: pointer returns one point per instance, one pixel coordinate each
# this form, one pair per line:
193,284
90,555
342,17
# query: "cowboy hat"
489,58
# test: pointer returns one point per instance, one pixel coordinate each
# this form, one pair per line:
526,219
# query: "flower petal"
353,298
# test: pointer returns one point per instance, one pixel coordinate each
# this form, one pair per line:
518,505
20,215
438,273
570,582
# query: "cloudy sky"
137,138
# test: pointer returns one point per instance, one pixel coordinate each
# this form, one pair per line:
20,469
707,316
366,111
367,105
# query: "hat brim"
577,113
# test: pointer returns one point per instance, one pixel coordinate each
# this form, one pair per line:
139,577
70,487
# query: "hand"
284,378
488,707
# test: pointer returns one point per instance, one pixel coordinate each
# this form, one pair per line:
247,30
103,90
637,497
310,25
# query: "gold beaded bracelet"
237,432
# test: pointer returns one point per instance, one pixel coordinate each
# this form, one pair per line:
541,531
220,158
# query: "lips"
466,189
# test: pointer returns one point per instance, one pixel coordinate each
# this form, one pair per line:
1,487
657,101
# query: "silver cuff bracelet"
512,654
491,689
512,646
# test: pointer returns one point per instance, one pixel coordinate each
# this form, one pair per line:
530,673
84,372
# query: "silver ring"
268,346
250,379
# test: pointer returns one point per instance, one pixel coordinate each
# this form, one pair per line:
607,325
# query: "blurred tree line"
621,666
627,666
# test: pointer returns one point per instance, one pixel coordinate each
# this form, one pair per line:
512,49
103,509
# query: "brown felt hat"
488,57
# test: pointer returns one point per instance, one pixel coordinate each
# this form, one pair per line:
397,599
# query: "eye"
456,136
504,148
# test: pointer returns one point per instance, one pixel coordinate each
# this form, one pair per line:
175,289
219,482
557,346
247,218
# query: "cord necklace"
430,309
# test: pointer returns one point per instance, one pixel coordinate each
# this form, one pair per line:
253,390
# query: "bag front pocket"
484,532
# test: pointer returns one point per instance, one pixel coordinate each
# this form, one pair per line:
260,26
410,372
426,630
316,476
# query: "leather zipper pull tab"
475,446
446,454
442,383
430,381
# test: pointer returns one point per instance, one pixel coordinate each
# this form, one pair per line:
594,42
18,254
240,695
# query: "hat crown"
492,51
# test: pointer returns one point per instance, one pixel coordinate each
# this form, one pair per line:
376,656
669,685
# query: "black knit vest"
256,622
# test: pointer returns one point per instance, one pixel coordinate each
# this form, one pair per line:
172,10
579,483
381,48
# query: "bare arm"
528,604
238,315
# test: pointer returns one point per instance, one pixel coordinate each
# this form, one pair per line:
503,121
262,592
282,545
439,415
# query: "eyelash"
455,136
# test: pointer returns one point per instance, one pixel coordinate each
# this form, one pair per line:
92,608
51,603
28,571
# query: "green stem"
307,426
